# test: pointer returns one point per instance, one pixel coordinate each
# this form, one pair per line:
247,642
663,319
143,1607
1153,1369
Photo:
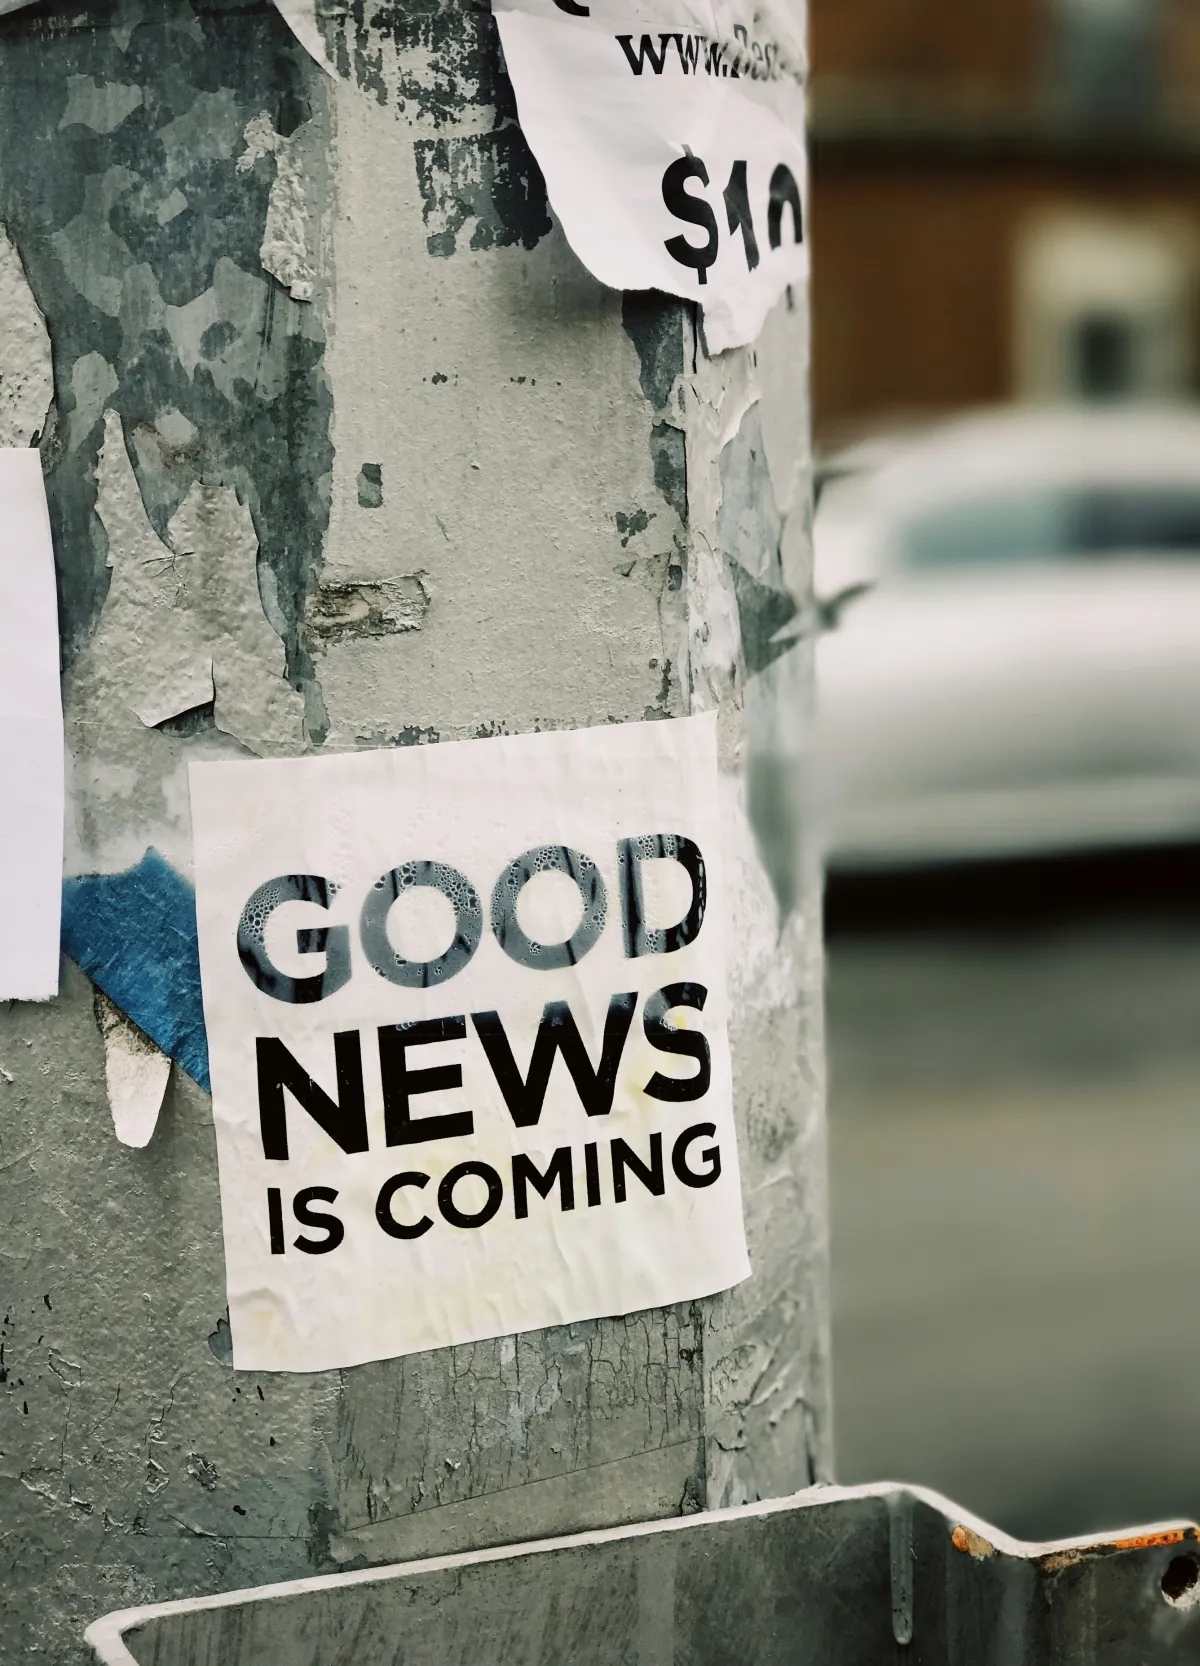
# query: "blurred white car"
1014,660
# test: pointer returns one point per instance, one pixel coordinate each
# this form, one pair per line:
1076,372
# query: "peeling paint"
488,179
370,486
183,623
287,251
26,379
348,612
440,66
143,242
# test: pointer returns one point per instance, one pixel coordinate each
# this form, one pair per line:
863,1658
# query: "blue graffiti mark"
134,934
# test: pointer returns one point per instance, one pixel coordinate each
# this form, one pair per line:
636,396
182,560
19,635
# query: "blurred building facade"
1005,203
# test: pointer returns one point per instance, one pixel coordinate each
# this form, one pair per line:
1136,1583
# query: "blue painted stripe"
134,934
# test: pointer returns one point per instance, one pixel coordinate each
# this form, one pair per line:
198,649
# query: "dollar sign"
692,209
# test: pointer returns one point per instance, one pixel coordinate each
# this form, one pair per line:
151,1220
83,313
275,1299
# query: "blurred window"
1164,520
1055,526
1103,64
1106,357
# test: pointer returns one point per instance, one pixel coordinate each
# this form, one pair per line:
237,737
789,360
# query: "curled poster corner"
301,18
136,1073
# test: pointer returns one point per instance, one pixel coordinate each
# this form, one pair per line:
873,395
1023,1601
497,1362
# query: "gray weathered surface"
328,330
863,1578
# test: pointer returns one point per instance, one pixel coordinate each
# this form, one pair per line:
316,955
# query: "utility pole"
345,449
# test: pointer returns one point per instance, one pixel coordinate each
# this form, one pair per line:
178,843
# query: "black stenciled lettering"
383,1206
694,210
685,1044
307,1216
573,10
400,1082
689,48
344,1119
495,1194
373,924
275,1219
712,1157
557,1033
737,208
784,193
512,938
651,1175
525,1173
591,1169
645,53
631,853
331,941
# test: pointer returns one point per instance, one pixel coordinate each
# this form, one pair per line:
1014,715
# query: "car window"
984,531
1155,520
1054,525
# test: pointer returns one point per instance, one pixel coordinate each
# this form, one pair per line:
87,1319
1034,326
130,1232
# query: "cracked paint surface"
26,378
182,625
454,491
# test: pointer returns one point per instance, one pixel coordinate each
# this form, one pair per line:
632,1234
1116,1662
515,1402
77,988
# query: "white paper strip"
31,736
671,137
136,1073
489,1091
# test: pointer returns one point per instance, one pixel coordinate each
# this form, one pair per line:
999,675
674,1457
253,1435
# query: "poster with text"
466,1015
671,137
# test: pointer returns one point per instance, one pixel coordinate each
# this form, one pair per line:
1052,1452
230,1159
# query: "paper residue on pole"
31,735
136,1073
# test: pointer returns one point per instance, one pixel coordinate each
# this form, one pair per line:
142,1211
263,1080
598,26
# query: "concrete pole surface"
319,385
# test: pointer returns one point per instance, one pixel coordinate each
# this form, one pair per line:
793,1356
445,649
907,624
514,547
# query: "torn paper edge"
136,1073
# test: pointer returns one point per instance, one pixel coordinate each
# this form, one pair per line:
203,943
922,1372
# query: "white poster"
466,1017
31,735
671,137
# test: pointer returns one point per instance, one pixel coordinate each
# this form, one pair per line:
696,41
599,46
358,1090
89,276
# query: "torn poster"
671,137
466,1017
136,1073
31,735
134,934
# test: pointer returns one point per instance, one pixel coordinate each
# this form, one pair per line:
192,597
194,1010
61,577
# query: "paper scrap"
671,137
136,1073
191,687
184,619
301,18
26,367
466,1013
31,735
134,934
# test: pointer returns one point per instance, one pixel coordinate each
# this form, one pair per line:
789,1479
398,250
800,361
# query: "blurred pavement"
1015,1152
